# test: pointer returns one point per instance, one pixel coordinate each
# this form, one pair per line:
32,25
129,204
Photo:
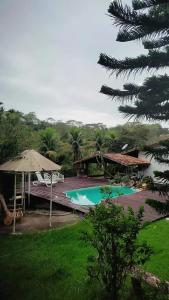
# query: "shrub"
113,235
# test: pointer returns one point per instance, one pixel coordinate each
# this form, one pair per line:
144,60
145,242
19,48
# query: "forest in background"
66,142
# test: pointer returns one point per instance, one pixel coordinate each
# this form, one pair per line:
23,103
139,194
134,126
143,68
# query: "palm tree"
99,140
110,139
75,139
49,140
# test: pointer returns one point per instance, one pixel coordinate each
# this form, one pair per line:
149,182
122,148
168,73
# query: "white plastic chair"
46,180
40,179
57,176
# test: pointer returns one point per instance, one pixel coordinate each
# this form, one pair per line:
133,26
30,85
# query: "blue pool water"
93,195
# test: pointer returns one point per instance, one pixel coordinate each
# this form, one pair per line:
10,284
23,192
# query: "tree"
151,99
75,139
15,136
99,139
110,138
31,120
113,235
50,141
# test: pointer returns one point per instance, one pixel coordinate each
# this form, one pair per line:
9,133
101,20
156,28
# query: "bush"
117,178
148,180
113,235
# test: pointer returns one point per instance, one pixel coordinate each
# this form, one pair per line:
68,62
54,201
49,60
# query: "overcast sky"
48,59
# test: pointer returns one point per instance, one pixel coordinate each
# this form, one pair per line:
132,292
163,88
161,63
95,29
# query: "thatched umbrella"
29,161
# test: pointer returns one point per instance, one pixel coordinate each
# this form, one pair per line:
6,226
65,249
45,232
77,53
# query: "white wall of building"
154,165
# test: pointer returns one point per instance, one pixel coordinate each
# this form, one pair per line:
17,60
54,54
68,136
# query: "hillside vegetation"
64,142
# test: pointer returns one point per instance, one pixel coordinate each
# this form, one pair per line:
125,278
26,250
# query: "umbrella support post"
29,187
14,210
23,192
51,197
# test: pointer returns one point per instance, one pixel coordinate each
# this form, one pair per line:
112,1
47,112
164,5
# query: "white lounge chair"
46,180
40,179
59,177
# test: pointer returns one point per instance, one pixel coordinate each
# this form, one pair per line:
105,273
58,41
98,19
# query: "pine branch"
156,84
156,43
151,101
160,152
158,29
120,95
147,110
154,60
140,111
123,15
135,25
132,88
133,112
137,4
162,208
164,176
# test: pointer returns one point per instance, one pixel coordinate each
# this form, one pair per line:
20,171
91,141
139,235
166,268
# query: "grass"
157,235
48,265
52,264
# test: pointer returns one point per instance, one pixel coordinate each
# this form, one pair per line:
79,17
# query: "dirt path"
36,221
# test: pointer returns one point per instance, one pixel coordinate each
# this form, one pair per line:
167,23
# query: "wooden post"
14,210
51,197
87,169
105,169
29,187
23,192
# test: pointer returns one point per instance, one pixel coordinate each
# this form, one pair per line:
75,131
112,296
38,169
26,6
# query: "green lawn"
52,265
157,235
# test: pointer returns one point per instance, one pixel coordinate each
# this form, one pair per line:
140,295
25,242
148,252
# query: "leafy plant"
125,179
113,236
117,178
106,191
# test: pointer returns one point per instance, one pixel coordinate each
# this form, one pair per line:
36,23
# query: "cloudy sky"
48,59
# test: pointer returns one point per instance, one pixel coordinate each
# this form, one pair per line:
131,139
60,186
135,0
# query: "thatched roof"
29,161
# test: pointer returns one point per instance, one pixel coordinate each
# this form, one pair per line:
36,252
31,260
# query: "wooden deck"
134,200
138,199
59,197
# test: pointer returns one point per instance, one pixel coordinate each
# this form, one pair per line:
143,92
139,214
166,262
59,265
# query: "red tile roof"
122,159
126,160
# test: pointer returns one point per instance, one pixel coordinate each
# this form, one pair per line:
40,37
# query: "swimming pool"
93,195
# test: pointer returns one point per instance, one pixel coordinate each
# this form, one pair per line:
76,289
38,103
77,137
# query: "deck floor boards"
134,200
